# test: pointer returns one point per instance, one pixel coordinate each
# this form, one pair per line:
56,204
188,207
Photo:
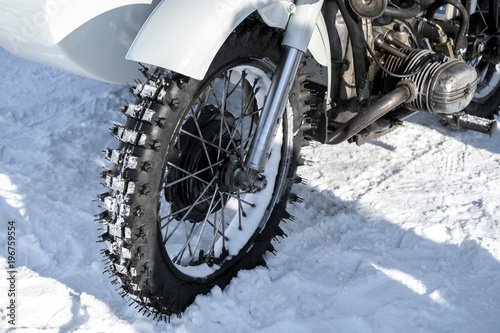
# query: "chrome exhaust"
405,92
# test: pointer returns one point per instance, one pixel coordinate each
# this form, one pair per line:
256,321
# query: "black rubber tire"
488,105
148,141
484,104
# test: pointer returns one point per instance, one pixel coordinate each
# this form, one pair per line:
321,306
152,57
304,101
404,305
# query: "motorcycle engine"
444,85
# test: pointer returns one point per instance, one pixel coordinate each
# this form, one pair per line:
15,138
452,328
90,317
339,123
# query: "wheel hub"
217,171
235,178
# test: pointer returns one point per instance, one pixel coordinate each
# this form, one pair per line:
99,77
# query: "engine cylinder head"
444,85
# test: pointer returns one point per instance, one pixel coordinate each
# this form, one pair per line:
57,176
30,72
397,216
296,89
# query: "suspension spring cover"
444,86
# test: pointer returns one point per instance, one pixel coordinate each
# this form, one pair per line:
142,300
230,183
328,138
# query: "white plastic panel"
201,27
47,22
185,36
86,37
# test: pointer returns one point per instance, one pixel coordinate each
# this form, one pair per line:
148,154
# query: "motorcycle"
231,91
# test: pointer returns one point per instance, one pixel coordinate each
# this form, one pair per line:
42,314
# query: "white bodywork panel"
202,26
87,37
92,37
47,22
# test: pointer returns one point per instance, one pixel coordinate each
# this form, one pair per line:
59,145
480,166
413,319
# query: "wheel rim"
205,222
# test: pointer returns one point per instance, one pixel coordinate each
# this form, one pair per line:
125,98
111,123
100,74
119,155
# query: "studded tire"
174,226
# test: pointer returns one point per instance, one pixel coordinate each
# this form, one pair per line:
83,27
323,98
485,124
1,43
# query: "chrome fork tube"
304,15
273,109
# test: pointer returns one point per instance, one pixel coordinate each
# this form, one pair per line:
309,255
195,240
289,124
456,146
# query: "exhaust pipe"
405,92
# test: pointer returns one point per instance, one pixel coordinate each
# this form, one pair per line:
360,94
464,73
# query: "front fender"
184,36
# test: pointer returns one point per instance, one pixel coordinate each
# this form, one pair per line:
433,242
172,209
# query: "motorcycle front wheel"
175,225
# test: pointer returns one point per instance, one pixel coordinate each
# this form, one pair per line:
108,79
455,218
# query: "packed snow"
398,235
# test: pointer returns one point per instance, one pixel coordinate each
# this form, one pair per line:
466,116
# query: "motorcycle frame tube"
184,36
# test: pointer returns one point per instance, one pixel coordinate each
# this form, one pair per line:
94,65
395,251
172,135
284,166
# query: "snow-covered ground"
399,235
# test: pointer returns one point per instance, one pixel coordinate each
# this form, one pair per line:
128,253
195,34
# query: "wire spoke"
222,110
236,84
189,245
216,229
167,237
225,87
199,209
191,175
194,228
231,137
240,211
204,141
220,137
212,93
206,97
243,110
254,90
177,213
188,173
194,231
256,112
239,123
251,102
240,200
205,220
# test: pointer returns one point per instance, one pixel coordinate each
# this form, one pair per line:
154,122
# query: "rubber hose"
464,19
358,49
402,14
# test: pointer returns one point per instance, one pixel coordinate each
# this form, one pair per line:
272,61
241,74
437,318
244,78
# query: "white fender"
184,36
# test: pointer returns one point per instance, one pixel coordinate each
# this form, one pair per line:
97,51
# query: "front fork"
304,14
274,107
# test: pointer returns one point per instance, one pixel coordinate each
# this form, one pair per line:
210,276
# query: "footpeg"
475,123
